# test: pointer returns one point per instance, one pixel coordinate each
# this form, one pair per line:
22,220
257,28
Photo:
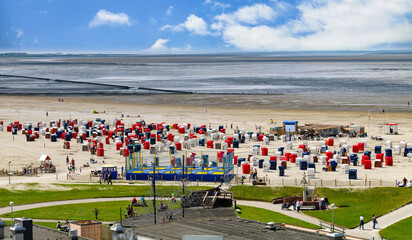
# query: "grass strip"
400,231
351,203
263,215
108,211
263,193
81,191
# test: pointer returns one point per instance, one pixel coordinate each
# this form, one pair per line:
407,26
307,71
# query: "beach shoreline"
34,108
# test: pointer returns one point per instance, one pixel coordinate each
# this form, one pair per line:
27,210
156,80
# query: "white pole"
9,171
332,222
11,205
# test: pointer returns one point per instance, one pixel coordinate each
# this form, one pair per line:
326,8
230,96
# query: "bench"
308,207
258,183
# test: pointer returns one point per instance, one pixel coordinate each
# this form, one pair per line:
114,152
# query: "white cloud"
153,20
104,17
159,45
169,10
19,32
35,41
42,12
217,4
248,15
194,24
322,25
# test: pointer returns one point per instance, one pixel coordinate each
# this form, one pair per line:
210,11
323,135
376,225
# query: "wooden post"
283,181
321,182
335,182
67,176
380,182
349,183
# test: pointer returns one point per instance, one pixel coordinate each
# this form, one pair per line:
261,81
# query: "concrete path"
383,222
369,233
278,208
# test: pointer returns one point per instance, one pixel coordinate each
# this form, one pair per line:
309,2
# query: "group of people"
130,212
106,177
63,227
168,216
362,222
72,165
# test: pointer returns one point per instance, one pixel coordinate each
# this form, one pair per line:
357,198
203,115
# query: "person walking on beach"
361,223
96,212
374,221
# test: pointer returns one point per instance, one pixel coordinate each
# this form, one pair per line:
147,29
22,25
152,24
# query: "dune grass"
108,211
82,191
263,193
400,231
263,215
351,203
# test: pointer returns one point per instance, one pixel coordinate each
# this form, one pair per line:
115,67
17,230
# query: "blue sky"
130,26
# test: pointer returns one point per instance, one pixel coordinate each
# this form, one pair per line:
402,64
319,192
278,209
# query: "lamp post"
9,171
11,205
333,207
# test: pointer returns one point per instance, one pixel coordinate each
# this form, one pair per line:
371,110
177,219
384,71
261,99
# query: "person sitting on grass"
67,226
144,204
59,226
129,211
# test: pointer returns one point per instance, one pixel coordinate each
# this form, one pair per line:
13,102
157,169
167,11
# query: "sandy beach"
168,108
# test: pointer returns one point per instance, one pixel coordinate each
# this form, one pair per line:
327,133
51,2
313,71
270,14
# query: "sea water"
342,77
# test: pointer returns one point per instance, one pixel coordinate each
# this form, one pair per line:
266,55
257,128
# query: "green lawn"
263,215
399,231
351,203
263,193
45,224
81,191
108,211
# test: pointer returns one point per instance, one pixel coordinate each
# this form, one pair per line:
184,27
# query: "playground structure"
193,168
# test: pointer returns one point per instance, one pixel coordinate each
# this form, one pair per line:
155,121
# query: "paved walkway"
369,233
